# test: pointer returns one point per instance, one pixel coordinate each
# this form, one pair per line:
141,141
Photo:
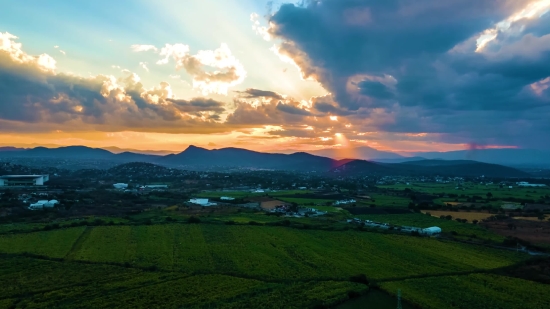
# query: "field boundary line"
78,242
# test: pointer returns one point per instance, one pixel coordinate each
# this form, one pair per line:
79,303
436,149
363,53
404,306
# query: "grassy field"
260,252
35,283
470,216
447,226
483,291
470,189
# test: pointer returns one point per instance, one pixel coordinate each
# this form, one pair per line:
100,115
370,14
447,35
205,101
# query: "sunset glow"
168,80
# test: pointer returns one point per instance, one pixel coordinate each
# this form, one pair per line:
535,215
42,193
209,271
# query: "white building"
226,198
23,180
201,202
120,185
155,186
43,204
434,230
342,202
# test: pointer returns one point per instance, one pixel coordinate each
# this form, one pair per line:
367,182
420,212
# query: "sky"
395,75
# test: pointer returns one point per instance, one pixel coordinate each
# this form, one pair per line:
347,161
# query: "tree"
475,221
489,195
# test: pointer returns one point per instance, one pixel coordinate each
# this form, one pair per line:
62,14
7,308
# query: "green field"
35,283
260,251
483,291
471,189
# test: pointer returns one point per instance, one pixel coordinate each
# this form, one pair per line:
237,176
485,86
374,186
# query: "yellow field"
470,216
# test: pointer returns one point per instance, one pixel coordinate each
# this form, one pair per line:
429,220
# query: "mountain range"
196,158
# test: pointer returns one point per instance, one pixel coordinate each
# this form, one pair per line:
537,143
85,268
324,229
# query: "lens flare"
343,147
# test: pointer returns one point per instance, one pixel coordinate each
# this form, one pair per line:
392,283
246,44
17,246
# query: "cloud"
410,66
144,66
257,93
35,97
13,55
231,72
143,48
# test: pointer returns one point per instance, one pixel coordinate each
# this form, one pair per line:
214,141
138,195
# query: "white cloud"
143,48
144,66
260,30
175,76
56,46
231,71
7,44
115,66
534,9
63,52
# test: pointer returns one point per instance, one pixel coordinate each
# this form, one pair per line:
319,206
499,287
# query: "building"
434,230
23,180
155,186
343,202
201,202
120,185
43,204
526,184
227,198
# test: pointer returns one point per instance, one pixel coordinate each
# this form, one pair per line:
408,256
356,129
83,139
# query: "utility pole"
399,299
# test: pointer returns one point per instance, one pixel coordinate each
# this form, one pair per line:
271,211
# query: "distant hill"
237,157
196,158
362,153
511,157
459,168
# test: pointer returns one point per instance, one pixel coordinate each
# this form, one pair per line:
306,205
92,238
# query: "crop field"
381,200
483,291
473,189
447,226
306,201
36,283
55,243
470,216
260,252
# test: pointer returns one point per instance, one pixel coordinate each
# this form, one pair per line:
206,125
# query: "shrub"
193,219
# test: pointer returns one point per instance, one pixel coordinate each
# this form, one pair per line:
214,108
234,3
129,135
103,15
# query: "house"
227,198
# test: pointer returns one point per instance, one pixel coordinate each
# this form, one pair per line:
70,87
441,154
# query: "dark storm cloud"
292,109
374,89
416,60
257,93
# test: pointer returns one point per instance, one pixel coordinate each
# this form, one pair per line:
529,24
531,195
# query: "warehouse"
23,180
434,230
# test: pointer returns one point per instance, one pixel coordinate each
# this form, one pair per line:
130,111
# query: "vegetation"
260,251
484,291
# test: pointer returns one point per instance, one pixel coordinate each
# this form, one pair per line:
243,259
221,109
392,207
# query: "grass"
56,243
484,291
35,283
262,252
470,216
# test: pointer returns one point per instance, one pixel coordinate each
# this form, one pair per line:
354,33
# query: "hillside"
460,168
197,157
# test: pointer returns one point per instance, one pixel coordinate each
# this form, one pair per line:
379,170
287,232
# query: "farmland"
36,283
484,291
263,252
470,216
